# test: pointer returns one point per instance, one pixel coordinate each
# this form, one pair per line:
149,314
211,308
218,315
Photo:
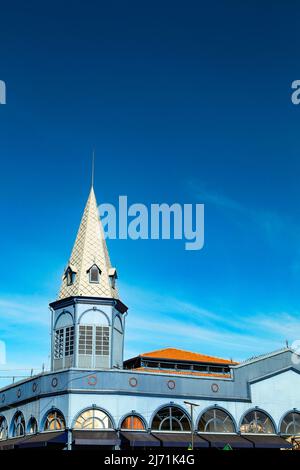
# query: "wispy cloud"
24,310
158,321
283,325
217,198
155,321
271,223
25,322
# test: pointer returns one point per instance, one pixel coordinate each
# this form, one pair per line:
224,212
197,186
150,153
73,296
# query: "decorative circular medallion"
34,387
215,388
3,398
54,382
171,384
92,380
133,382
19,393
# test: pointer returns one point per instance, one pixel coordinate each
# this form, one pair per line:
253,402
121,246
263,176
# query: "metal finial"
93,167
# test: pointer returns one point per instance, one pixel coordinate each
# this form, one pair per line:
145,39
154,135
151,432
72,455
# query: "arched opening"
94,340
18,425
171,418
118,324
257,422
55,421
133,422
93,419
117,348
63,341
32,427
290,424
217,421
3,429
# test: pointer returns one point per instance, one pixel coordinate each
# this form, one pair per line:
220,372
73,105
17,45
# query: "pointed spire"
89,250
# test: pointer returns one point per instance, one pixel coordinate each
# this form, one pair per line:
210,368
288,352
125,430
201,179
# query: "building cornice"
122,308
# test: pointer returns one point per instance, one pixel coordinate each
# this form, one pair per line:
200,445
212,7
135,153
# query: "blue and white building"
91,397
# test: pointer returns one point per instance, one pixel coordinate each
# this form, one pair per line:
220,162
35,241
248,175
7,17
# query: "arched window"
32,426
290,425
63,341
133,422
93,419
18,428
94,340
216,420
118,324
170,418
55,421
3,428
257,422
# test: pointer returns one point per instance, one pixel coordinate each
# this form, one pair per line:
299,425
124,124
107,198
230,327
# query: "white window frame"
64,342
100,340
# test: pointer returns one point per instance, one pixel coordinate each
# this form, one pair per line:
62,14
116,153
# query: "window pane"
133,422
216,420
32,429
102,341
18,425
171,419
85,340
69,346
93,419
291,424
58,343
55,421
3,429
70,277
94,274
257,422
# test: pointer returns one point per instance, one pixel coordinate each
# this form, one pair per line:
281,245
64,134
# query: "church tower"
88,319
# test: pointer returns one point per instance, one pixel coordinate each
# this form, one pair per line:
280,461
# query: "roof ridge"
185,351
264,355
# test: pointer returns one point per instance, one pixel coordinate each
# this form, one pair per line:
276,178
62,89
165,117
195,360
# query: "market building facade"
92,398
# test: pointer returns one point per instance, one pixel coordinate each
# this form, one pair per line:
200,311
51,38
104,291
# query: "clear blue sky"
183,102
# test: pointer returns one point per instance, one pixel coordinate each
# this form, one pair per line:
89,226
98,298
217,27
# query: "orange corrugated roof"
180,372
181,355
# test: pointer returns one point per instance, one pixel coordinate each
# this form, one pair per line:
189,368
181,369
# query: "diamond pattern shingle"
89,248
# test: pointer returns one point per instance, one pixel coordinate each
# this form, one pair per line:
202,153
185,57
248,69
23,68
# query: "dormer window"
70,275
94,274
112,277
